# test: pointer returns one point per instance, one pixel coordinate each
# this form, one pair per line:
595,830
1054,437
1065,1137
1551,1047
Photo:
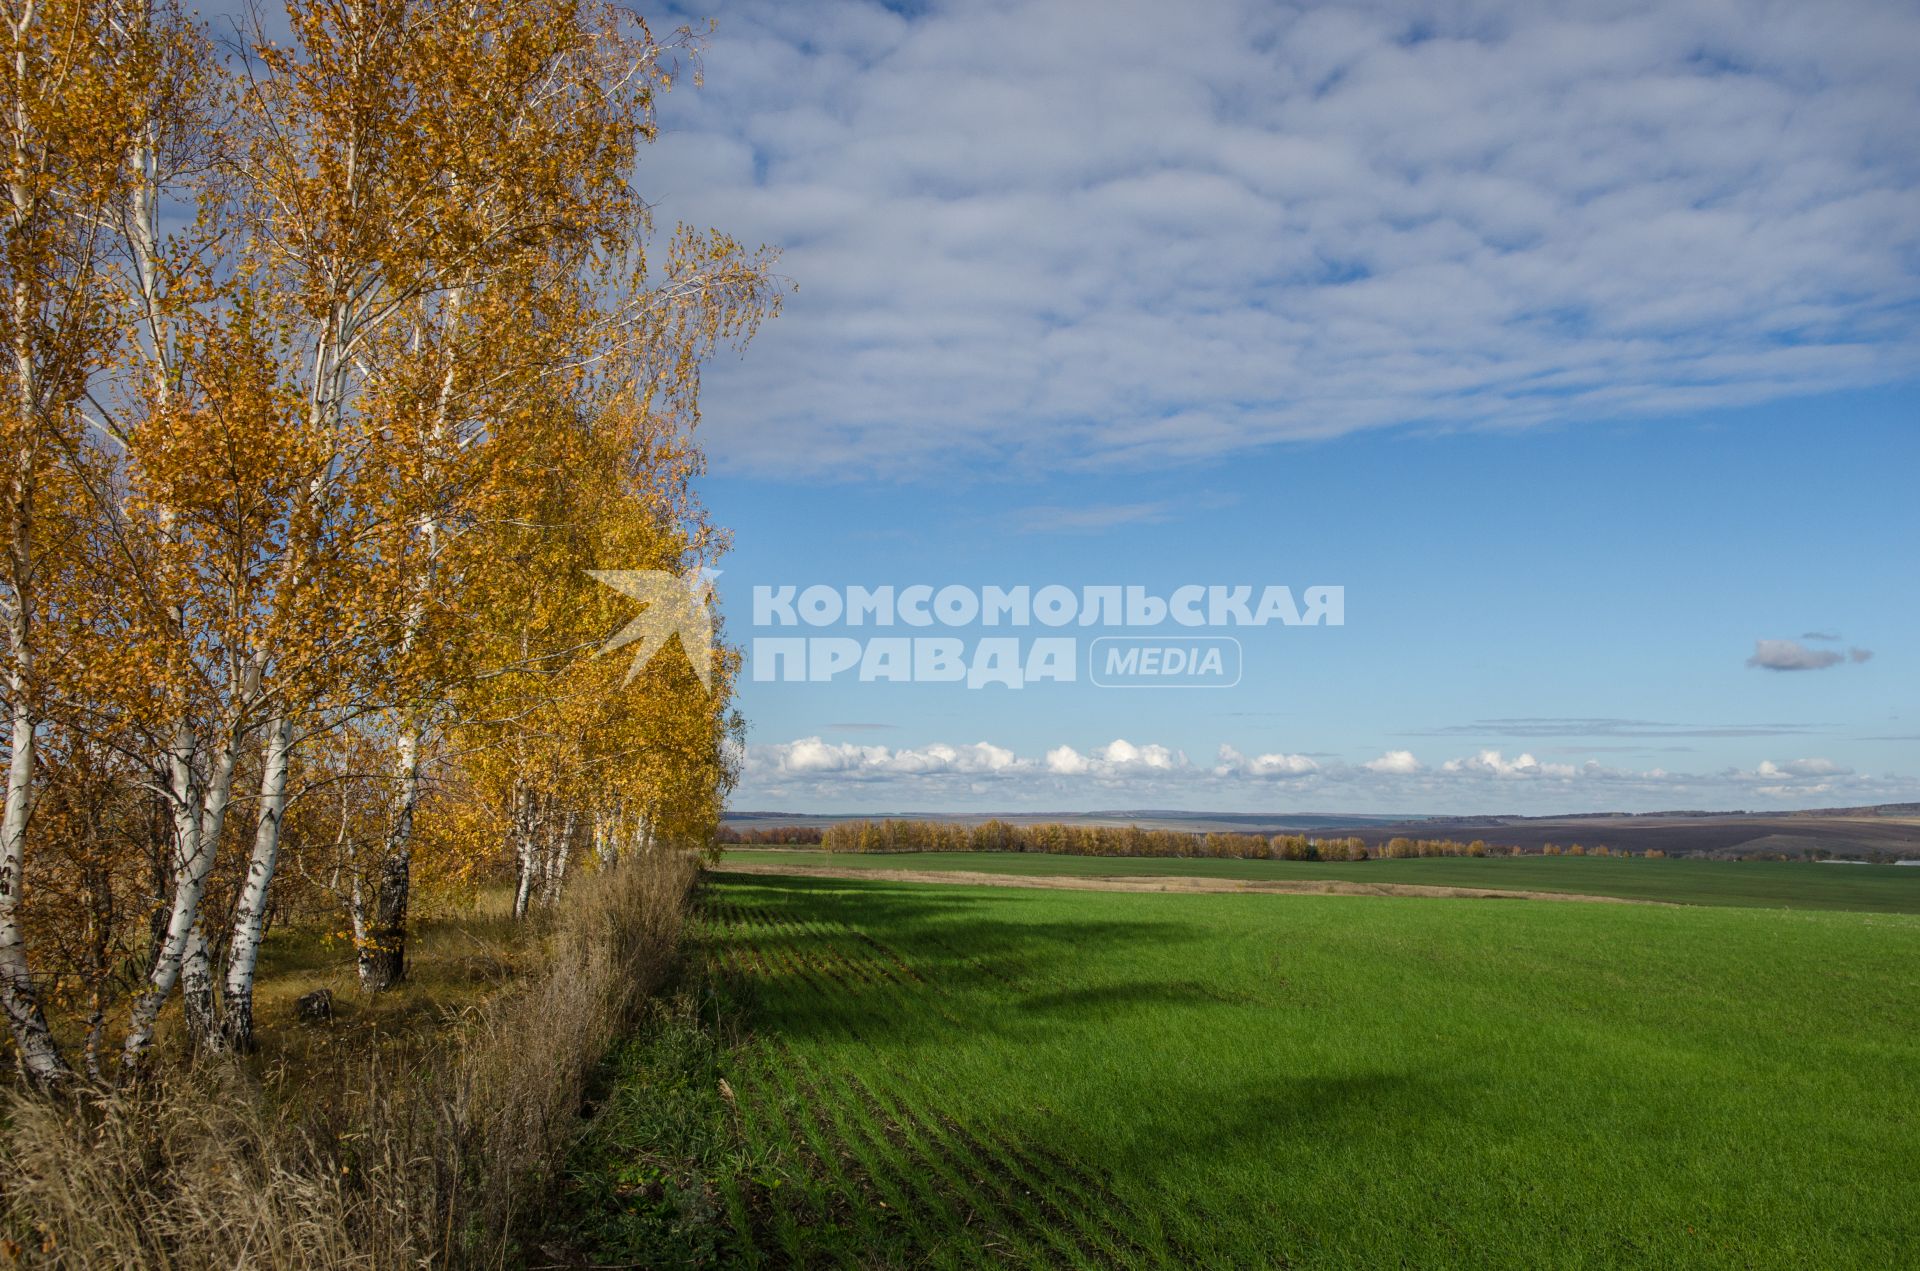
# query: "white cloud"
812,756
1396,762
1769,770
1123,773
1233,763
1492,763
1794,779
1120,756
1017,231
1067,761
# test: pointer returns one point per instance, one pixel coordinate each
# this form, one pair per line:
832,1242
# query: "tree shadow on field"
1203,1120
943,949
1184,1129
944,936
869,981
1113,999
1150,1165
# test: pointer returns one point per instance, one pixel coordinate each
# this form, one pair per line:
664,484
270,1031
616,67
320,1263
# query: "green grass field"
951,1075
1791,884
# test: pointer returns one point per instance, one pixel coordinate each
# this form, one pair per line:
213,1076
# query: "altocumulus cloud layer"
838,775
1127,232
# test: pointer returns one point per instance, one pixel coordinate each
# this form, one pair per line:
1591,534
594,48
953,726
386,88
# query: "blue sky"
1577,342
1574,594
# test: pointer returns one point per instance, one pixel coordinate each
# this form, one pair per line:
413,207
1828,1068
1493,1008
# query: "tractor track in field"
1178,883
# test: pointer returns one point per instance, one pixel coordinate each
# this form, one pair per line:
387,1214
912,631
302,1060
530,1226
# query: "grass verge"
447,1156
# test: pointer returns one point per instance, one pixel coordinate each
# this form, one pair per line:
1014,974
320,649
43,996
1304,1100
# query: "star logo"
671,605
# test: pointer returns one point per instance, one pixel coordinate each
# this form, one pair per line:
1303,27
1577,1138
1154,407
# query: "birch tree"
61,90
544,109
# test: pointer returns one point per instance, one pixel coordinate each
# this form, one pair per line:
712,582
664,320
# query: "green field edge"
1746,884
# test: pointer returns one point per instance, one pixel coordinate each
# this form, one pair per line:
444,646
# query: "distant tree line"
1084,840
1129,840
778,836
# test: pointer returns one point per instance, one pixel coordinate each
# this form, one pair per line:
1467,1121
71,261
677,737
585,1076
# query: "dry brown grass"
443,1161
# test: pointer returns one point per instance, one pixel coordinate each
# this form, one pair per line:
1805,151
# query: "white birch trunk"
606,846
197,822
196,992
250,914
525,840
523,893
383,958
39,1054
190,871
559,848
196,970
357,904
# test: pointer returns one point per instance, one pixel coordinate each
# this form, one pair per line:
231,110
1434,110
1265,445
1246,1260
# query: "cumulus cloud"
1067,762
1791,655
1793,778
1017,232
1493,763
810,756
1123,756
1124,773
1233,763
1771,771
1395,762
1118,758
